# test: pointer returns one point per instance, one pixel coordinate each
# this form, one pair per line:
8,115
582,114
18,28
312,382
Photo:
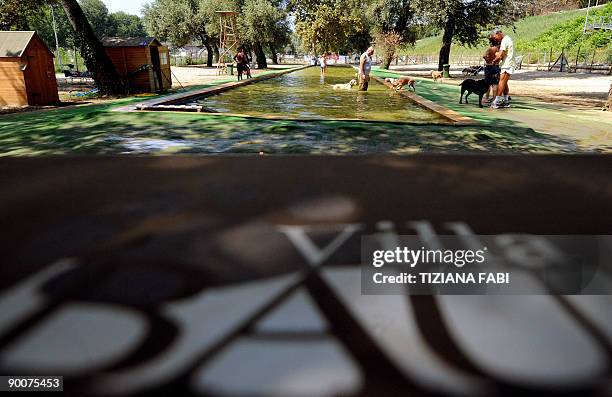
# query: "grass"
97,129
596,45
523,31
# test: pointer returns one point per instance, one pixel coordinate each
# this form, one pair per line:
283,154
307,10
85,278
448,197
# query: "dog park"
300,198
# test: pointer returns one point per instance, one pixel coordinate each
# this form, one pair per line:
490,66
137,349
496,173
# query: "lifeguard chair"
228,40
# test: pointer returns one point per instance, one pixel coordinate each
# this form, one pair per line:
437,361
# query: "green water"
305,94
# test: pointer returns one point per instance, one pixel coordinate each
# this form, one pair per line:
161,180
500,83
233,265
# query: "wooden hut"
27,73
142,61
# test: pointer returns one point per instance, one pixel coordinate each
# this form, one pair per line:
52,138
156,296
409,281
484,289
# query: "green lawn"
524,31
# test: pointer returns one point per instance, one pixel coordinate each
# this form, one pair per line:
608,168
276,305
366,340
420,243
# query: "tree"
392,24
262,24
180,21
387,44
92,50
451,17
97,15
126,25
208,18
172,20
17,14
330,25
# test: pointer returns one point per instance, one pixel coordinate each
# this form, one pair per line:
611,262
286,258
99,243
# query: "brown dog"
435,75
399,83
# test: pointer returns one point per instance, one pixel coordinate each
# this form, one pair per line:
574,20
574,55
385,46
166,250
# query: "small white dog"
346,86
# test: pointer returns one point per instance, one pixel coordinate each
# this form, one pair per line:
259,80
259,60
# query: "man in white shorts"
507,64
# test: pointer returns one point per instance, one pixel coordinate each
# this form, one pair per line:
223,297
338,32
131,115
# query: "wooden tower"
228,40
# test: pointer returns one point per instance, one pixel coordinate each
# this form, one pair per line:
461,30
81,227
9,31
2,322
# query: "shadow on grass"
96,130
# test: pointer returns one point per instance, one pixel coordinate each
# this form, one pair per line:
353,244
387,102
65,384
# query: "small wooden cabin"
143,61
27,73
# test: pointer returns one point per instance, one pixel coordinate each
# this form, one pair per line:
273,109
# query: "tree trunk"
260,55
97,61
209,50
216,50
249,52
388,58
609,103
447,39
274,58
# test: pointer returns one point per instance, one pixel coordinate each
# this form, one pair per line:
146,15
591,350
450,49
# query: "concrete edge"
454,117
179,109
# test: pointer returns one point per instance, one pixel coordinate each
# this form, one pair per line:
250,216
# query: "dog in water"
435,75
478,87
399,83
346,86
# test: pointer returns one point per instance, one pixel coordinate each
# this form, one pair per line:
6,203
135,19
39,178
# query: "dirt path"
188,76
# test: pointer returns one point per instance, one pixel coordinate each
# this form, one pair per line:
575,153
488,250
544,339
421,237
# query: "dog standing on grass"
399,83
478,87
435,75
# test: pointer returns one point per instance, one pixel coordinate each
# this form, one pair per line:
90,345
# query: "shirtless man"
492,70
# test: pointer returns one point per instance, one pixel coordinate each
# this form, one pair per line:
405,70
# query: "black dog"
479,87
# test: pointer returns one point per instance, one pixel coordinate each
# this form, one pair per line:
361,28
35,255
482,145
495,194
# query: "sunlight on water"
305,94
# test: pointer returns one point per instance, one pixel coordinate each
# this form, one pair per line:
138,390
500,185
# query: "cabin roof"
129,41
14,43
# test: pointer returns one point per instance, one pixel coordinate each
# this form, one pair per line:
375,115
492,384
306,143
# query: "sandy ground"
188,76
582,90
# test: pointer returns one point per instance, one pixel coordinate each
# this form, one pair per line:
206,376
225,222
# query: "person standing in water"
323,64
365,67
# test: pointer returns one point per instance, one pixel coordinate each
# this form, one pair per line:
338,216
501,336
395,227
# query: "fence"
595,22
571,61
590,60
457,60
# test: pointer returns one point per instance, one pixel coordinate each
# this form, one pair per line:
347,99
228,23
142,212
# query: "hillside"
528,34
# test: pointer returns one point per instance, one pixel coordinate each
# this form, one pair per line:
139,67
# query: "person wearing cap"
507,64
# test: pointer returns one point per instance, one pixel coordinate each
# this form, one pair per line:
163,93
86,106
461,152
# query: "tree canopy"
331,25
267,26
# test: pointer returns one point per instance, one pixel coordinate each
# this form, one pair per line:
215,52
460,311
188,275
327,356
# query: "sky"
129,6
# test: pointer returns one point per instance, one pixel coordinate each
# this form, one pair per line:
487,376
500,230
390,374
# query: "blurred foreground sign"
236,276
